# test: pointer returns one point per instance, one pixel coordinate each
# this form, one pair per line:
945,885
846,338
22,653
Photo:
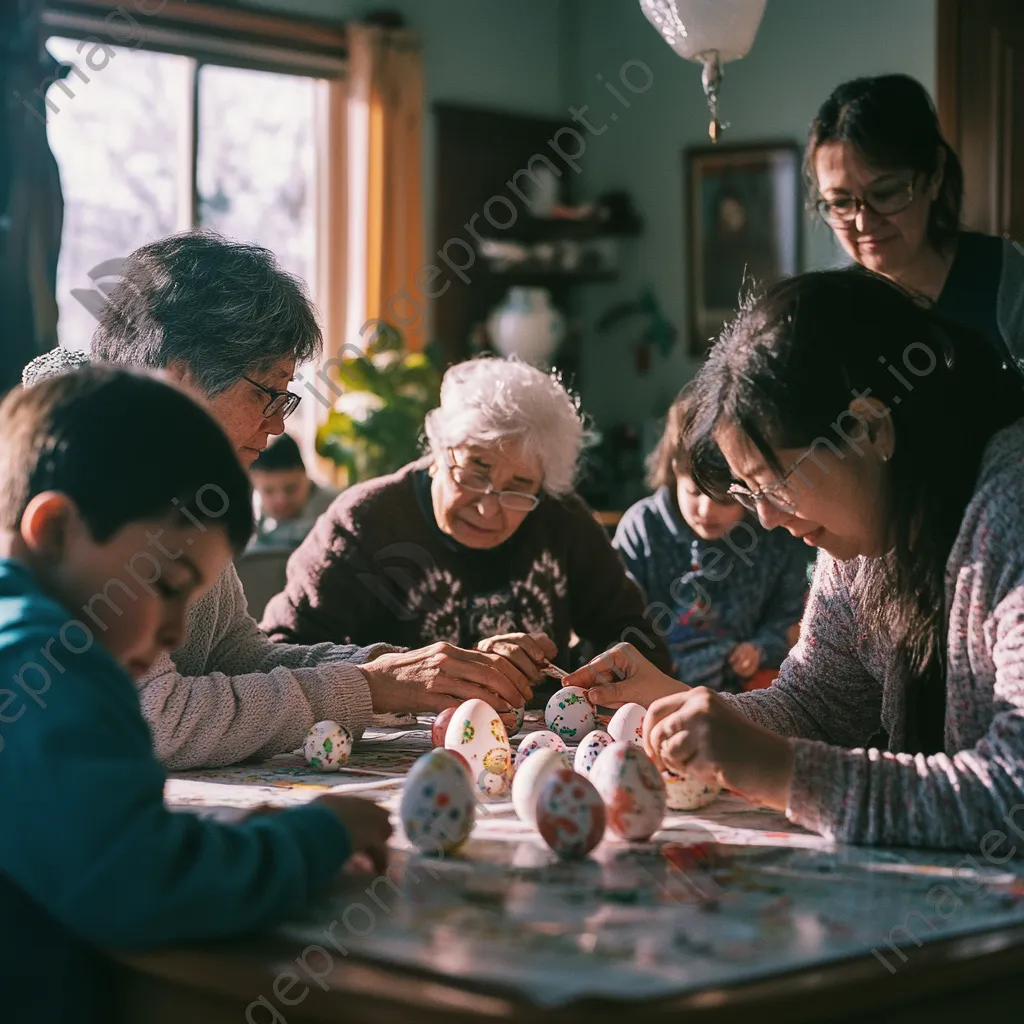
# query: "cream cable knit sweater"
230,694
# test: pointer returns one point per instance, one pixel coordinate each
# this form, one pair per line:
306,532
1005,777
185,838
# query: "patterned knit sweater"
230,694
378,567
748,587
839,686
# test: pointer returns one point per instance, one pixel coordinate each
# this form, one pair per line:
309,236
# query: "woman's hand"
745,660
441,676
529,652
622,675
699,731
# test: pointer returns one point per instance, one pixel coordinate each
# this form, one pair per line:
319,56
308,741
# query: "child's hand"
745,660
368,826
620,676
701,732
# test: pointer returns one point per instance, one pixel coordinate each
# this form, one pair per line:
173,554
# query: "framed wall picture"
743,208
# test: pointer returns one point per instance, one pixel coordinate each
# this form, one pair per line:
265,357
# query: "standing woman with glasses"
482,543
898,718
891,188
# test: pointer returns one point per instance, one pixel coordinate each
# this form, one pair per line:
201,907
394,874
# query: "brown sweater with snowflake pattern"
376,568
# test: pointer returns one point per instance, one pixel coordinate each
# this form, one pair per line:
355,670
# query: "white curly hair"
509,404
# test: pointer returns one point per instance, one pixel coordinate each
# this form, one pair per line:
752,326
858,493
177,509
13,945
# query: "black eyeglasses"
283,402
885,200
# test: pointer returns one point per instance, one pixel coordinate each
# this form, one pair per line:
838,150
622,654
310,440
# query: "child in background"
287,502
106,536
730,592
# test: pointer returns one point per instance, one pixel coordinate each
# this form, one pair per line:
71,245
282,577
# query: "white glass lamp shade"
697,28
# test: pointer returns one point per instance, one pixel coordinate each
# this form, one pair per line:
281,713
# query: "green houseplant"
377,422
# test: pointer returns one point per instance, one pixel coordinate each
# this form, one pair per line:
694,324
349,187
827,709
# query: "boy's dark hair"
222,308
669,459
282,453
124,447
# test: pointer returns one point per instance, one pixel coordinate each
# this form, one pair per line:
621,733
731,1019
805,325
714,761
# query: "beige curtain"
385,127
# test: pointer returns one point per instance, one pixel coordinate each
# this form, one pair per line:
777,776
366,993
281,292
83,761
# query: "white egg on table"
627,724
590,747
438,802
476,732
531,776
569,714
690,791
540,740
632,789
570,813
327,746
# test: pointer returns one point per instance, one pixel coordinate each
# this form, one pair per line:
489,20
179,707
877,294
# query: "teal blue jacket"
89,855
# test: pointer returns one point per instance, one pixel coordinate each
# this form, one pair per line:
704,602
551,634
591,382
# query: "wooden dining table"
728,913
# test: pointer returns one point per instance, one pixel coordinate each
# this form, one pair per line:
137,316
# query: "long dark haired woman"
891,188
890,439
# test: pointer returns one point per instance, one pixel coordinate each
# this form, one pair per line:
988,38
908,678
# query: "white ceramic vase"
527,325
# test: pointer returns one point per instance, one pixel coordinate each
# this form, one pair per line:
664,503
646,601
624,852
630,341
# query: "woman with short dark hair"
892,441
891,188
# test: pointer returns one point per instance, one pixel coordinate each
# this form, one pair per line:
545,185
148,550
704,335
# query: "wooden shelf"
557,229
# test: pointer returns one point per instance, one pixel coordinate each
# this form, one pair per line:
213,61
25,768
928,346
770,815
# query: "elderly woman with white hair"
483,543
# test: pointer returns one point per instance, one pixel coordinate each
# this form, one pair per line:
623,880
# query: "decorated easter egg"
327,746
440,727
632,789
476,732
541,740
627,724
514,720
438,802
590,747
690,791
570,813
569,714
530,777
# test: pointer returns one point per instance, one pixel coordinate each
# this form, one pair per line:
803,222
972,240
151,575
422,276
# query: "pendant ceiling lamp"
710,32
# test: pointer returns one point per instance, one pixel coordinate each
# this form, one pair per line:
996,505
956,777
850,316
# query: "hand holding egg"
700,733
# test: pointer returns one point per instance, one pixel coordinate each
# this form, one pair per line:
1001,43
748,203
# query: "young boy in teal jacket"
120,502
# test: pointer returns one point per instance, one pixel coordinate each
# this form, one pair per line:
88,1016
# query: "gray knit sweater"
230,694
838,686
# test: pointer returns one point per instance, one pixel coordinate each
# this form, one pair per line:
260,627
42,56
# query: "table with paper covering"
724,900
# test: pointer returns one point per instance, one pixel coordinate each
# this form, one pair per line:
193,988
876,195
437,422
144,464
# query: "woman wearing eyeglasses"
482,543
891,189
892,440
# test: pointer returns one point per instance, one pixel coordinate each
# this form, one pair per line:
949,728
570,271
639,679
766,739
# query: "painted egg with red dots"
570,814
627,724
632,789
590,749
539,740
438,802
440,726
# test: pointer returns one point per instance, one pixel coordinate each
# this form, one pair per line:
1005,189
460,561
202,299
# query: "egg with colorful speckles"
690,791
570,814
438,802
327,746
569,714
540,740
590,749
627,724
632,789
477,733
529,778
